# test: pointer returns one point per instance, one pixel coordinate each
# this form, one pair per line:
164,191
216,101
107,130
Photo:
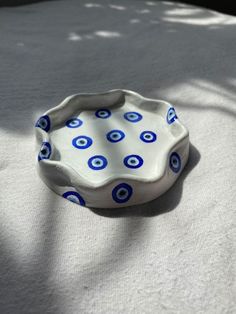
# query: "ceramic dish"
112,149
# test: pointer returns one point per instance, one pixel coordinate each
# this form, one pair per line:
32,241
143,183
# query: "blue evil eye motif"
97,162
148,136
122,193
133,161
115,136
74,197
175,162
103,113
171,116
133,116
43,123
45,151
74,123
82,142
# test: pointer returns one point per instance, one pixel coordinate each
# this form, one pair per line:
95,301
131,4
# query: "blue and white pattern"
74,123
115,136
133,116
82,142
45,151
175,162
171,116
122,193
133,161
103,113
43,123
97,162
148,136
74,197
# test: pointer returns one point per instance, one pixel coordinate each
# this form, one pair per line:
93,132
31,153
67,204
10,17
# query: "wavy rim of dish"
69,173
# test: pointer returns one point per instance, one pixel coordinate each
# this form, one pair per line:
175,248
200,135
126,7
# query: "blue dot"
122,193
133,161
74,197
171,115
43,123
133,116
115,136
103,113
74,123
97,162
148,136
175,162
45,151
82,142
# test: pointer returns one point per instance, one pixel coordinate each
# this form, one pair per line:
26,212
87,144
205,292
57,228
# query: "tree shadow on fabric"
42,63
130,234
227,6
27,282
164,203
14,3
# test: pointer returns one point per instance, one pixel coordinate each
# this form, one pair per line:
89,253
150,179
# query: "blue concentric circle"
175,162
103,113
133,116
148,136
82,142
74,197
115,136
45,151
97,162
74,123
133,161
43,123
122,193
171,115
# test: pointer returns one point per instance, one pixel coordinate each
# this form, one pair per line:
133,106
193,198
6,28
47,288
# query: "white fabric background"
176,254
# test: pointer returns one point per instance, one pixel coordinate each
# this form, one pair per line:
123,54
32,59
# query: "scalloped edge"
65,175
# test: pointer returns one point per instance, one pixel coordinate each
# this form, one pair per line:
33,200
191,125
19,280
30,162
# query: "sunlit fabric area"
175,254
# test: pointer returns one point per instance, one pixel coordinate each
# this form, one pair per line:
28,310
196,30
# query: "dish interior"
124,141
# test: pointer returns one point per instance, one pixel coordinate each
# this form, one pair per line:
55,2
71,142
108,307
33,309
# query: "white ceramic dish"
112,149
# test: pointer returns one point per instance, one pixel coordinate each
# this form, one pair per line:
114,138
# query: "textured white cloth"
176,254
